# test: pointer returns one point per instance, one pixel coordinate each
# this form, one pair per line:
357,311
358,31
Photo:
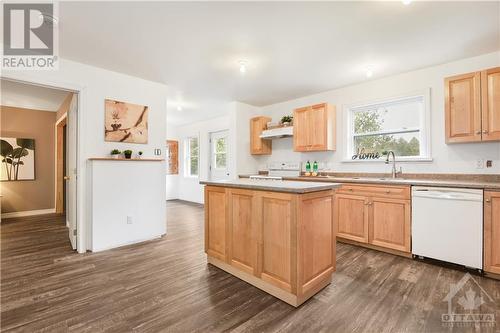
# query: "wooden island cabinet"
492,232
280,242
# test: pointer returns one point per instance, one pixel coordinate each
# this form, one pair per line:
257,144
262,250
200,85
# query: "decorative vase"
115,156
128,156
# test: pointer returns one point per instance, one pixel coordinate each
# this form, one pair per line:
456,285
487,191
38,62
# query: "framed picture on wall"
125,122
18,159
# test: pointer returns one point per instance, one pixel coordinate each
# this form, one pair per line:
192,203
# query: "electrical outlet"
129,219
480,164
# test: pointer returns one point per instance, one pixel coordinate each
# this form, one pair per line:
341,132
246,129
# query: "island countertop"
286,186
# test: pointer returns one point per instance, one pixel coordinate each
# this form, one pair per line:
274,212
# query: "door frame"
228,151
59,184
83,229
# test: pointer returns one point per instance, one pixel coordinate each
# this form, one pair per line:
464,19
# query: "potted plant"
139,154
286,120
127,153
115,153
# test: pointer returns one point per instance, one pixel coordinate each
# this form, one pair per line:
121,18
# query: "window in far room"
399,125
192,157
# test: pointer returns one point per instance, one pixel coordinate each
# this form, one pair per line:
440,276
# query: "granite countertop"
287,186
399,181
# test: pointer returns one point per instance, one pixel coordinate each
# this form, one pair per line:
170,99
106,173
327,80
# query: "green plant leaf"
26,143
5,148
19,152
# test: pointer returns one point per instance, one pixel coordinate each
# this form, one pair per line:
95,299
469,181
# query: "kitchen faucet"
394,171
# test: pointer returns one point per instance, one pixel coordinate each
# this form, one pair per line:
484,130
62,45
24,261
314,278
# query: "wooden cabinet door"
389,223
257,145
463,108
492,232
316,239
351,214
277,234
490,107
215,222
242,240
318,120
301,129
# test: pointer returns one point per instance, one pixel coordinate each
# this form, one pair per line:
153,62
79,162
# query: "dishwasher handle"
447,195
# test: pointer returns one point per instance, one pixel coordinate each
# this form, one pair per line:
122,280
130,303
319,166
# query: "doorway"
47,118
219,155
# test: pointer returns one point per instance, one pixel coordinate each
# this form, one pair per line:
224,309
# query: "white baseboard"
28,213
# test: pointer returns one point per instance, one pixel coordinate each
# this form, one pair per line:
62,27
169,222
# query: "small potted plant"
139,154
115,153
127,153
286,120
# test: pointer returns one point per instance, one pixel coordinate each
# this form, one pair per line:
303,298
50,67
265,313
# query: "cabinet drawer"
385,191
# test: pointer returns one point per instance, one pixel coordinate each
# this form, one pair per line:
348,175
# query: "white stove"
278,170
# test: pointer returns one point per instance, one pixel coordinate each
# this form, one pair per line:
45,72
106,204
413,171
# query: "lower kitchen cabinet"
492,232
375,215
389,223
283,243
351,212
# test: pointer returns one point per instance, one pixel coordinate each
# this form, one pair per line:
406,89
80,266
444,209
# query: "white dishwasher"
447,225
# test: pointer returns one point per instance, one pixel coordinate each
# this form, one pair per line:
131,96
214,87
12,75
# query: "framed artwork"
172,157
18,159
125,122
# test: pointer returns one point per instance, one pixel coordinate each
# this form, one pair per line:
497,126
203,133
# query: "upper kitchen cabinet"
490,91
472,107
259,146
314,128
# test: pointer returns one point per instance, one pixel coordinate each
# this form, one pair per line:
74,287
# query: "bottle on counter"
315,168
308,168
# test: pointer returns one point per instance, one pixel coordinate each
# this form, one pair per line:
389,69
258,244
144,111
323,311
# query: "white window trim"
425,128
187,157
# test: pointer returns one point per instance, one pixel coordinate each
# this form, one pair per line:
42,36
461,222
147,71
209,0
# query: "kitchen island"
276,235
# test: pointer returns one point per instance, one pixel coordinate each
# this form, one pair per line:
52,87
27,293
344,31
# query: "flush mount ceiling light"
179,108
243,66
406,2
369,72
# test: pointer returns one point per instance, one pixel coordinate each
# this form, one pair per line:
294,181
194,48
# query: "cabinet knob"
388,191
488,200
478,132
485,132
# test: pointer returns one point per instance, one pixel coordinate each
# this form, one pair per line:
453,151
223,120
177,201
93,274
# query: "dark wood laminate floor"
166,286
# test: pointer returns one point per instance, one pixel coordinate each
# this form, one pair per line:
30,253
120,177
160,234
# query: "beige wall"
31,194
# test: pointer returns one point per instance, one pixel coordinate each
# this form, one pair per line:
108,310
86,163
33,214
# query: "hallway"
166,285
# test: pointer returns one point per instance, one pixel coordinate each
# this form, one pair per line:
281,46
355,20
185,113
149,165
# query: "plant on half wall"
12,157
127,153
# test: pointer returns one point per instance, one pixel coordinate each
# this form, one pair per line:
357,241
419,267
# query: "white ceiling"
293,49
30,96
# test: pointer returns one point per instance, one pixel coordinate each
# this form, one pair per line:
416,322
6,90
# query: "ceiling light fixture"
369,73
179,108
406,2
243,66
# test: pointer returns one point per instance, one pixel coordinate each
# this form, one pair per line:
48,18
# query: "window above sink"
399,124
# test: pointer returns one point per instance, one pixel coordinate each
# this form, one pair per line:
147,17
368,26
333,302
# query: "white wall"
189,187
172,181
453,158
124,190
99,84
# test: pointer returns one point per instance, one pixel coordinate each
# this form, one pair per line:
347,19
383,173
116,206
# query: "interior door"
219,155
71,169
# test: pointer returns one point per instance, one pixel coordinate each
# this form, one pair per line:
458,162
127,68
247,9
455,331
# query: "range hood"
276,133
